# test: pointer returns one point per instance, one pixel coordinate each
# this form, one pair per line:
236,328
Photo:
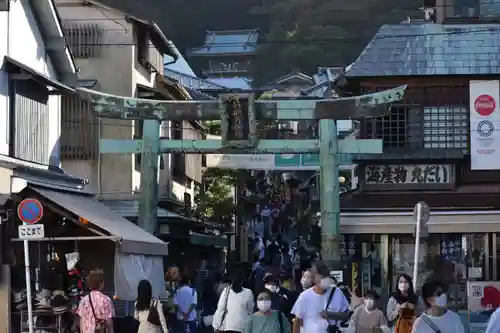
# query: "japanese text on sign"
408,174
237,118
31,231
476,291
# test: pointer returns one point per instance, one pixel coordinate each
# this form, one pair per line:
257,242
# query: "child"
368,317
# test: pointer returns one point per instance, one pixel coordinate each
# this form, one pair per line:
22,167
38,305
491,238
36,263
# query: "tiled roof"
228,42
430,49
232,82
191,82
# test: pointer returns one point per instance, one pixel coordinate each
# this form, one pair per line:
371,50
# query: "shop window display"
452,259
58,288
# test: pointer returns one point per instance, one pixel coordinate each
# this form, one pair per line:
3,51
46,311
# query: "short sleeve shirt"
310,304
103,307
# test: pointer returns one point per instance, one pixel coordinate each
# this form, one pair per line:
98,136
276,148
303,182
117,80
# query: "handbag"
154,316
331,328
101,325
405,321
430,323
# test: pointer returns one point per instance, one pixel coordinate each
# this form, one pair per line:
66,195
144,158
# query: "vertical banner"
484,125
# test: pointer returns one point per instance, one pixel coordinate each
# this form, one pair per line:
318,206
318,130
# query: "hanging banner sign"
484,125
272,162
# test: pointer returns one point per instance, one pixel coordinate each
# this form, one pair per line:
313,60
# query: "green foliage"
215,197
295,34
305,34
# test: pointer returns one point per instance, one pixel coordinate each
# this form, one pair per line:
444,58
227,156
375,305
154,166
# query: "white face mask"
306,283
271,287
325,283
369,304
441,301
264,306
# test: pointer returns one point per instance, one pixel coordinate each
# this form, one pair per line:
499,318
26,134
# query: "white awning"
404,222
132,239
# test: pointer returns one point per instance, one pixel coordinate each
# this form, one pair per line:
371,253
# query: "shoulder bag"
331,328
430,323
225,309
101,325
280,321
154,316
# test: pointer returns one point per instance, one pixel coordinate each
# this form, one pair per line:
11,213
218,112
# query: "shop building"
440,146
74,222
123,54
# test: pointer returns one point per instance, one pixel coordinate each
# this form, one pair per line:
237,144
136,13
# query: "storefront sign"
272,162
408,176
483,295
484,125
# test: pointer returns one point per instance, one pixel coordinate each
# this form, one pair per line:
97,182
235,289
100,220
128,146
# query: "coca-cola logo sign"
485,105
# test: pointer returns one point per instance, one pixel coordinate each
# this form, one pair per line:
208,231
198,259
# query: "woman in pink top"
96,309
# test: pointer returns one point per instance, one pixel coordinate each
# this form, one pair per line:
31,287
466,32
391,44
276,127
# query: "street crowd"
287,289
244,303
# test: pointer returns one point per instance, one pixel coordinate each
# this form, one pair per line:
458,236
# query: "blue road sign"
30,211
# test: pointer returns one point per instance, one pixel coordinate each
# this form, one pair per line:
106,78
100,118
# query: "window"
79,130
4,5
83,39
452,259
446,127
397,129
142,36
462,8
178,160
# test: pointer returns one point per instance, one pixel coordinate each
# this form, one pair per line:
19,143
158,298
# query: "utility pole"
239,114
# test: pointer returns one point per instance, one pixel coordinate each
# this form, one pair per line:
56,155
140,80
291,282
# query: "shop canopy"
131,238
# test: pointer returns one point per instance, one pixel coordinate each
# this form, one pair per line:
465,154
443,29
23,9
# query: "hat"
270,278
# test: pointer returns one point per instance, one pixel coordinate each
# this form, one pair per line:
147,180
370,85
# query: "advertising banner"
272,162
483,296
484,125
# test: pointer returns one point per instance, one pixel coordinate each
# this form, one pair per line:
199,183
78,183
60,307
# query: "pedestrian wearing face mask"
320,309
437,318
266,320
402,306
368,317
281,297
306,281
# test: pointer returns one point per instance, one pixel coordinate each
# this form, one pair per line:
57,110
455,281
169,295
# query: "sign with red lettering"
485,105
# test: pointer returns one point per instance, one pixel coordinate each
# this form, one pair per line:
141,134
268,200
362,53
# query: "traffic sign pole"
417,245
29,211
421,213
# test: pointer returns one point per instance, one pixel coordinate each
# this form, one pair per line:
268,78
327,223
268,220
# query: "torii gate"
239,114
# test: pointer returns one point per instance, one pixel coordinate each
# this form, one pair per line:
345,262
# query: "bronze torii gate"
239,114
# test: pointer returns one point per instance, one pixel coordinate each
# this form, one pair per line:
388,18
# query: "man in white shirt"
321,306
494,323
437,318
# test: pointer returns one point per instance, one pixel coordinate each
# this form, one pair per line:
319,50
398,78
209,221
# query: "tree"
214,198
305,34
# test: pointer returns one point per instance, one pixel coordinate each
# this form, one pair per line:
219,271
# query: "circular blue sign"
30,211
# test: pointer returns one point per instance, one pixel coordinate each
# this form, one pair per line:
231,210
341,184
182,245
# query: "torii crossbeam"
239,114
